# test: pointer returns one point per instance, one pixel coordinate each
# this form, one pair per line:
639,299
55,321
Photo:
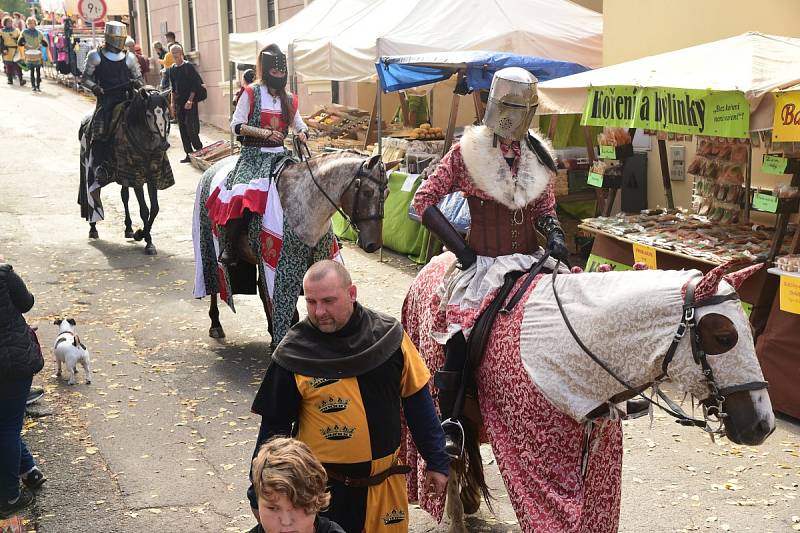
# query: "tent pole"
662,156
451,123
231,73
379,114
292,73
551,128
748,181
600,194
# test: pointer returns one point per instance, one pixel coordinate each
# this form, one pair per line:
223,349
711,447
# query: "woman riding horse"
505,171
264,112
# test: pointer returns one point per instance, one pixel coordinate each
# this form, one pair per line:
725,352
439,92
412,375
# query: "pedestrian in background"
33,40
19,24
168,60
186,84
9,36
136,51
20,358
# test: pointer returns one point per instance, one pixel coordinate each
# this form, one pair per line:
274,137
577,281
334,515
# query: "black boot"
449,382
636,408
233,229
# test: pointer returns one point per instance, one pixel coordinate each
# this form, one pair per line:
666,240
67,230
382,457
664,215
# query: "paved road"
161,440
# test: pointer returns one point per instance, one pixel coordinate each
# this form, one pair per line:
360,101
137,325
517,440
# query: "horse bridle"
305,155
712,406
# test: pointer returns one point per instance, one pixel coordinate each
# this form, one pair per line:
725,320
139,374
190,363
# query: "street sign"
92,10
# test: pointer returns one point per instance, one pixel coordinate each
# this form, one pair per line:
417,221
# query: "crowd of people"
21,43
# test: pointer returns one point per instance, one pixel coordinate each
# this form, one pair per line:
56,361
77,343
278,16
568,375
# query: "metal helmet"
115,35
513,100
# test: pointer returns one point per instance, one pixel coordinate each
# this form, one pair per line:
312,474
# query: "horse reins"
688,324
304,153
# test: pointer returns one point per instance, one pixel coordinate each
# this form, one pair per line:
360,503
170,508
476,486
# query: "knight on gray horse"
505,171
125,140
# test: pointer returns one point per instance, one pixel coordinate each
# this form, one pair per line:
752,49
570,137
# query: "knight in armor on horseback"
505,171
110,73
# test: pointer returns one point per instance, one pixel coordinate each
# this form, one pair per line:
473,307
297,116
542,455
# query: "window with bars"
270,13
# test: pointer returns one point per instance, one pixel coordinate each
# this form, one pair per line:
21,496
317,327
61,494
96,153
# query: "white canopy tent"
341,39
555,29
753,63
322,17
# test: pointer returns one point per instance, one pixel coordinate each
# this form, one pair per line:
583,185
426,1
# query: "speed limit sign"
92,10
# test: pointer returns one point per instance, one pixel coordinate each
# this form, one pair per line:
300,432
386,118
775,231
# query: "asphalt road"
161,440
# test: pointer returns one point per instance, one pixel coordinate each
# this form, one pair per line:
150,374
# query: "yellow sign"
786,123
790,294
645,254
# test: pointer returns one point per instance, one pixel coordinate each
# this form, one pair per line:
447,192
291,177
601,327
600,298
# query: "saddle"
479,336
279,165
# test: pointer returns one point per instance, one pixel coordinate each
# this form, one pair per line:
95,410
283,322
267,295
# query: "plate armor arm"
136,73
87,79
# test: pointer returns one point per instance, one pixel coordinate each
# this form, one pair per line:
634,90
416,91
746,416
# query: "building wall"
639,28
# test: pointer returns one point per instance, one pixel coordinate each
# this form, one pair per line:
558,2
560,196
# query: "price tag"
774,164
596,260
765,202
595,179
645,254
790,294
608,152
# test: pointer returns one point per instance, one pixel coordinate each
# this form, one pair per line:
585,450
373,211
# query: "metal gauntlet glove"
549,226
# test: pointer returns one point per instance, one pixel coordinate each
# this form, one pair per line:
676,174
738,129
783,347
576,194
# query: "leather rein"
303,152
712,406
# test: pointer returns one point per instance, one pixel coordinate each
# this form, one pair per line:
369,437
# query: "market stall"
778,346
423,146
716,100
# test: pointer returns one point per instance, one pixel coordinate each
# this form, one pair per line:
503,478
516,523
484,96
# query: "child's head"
7,21
31,22
290,484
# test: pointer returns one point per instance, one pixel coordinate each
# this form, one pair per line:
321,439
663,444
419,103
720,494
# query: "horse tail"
469,470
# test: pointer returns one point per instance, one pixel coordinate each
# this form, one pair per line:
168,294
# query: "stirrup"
451,424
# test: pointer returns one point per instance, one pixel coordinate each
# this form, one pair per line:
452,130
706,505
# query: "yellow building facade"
638,28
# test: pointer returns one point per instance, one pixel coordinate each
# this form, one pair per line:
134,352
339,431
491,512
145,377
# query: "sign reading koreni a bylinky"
688,111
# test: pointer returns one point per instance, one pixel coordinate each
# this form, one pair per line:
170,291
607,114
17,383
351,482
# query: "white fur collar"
492,175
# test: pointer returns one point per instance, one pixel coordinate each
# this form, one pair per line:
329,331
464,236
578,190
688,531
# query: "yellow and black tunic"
347,409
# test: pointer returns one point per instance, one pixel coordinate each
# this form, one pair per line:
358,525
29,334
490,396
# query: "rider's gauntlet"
252,131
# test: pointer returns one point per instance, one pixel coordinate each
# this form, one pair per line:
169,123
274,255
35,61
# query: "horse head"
732,385
148,120
642,328
363,202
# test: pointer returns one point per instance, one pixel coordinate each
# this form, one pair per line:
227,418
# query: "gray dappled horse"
548,406
138,133
310,193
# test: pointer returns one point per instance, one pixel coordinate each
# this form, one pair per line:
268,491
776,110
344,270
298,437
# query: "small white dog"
70,350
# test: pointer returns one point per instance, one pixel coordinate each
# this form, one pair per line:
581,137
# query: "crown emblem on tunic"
337,433
318,383
332,405
393,517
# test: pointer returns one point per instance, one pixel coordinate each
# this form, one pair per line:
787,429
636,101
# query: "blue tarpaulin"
404,72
